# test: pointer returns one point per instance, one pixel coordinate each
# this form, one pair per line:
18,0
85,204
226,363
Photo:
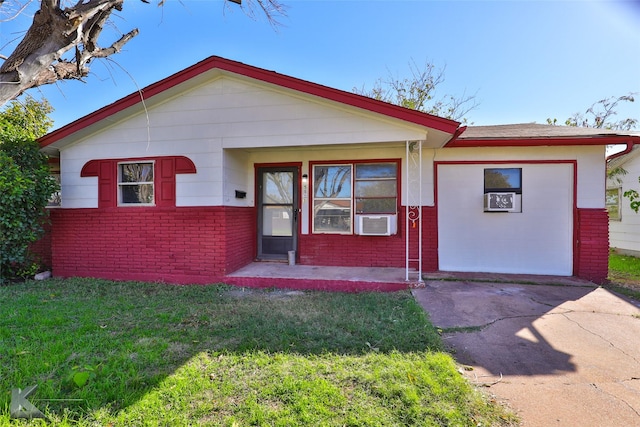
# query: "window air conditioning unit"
375,225
499,202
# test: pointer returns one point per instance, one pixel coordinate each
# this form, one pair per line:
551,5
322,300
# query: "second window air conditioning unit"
499,202
375,225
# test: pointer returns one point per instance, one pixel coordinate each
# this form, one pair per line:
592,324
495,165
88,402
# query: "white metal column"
413,184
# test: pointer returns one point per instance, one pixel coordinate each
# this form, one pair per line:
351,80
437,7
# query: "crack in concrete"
612,345
546,304
615,397
478,328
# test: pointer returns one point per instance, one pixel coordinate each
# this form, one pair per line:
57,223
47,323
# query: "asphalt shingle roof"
537,131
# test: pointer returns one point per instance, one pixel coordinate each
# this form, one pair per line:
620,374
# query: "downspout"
627,150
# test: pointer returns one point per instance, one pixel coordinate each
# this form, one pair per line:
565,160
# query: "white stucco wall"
590,160
537,240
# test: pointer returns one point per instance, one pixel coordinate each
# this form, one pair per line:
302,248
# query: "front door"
277,211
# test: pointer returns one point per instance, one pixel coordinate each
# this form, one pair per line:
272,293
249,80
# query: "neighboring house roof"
533,134
226,66
619,159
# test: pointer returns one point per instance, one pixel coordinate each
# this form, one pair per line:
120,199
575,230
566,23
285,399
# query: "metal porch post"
413,212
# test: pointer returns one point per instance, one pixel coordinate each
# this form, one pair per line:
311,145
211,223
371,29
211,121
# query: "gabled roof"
532,134
238,68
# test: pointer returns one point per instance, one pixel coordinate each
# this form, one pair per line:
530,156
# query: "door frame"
259,169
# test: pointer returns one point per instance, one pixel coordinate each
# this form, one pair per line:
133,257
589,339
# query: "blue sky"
524,60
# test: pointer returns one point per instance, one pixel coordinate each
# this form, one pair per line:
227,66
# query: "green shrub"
25,188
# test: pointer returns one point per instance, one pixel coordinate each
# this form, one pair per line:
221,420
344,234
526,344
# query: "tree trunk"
38,59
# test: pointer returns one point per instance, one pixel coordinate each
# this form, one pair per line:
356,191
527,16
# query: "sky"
523,61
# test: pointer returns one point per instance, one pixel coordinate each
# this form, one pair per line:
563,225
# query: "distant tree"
602,115
495,179
25,183
419,92
63,39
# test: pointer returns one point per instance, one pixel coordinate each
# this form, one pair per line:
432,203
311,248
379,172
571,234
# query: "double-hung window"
332,201
376,188
135,184
341,191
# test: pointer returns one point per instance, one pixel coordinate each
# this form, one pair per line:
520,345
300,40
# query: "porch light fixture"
305,178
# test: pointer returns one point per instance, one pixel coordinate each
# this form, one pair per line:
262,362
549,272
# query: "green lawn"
121,354
624,274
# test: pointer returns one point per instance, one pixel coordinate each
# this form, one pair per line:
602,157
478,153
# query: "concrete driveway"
558,355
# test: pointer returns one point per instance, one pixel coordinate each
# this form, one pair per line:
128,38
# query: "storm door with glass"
277,211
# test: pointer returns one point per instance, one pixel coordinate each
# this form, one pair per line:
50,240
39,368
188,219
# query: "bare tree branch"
55,32
418,92
38,58
601,114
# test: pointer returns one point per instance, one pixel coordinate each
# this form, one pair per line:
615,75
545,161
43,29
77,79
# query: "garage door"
537,239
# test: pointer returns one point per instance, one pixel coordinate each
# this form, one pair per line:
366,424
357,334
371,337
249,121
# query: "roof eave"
215,62
538,142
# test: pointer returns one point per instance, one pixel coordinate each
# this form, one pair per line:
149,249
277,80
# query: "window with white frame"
612,203
342,190
135,184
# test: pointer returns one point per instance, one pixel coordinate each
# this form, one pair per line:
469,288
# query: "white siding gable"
224,113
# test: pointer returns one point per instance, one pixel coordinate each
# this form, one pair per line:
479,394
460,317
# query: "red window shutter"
166,182
164,178
107,184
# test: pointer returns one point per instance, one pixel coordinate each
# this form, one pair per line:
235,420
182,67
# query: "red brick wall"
430,239
241,236
373,251
176,245
592,248
201,245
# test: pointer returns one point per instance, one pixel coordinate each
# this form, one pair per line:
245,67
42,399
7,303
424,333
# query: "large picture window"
342,190
135,184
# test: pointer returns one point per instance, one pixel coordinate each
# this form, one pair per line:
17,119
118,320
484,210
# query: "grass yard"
624,274
120,354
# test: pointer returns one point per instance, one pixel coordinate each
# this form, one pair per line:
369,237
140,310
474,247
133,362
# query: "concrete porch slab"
346,279
358,279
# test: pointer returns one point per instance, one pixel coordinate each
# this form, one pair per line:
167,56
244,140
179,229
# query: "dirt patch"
619,279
